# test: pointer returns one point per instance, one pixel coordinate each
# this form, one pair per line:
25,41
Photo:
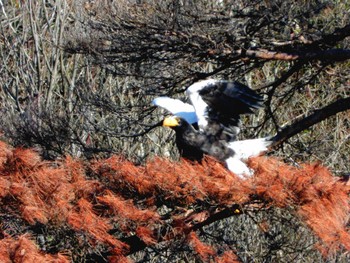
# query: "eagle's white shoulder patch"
198,103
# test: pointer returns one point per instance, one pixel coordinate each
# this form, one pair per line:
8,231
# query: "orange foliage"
4,187
118,259
82,187
126,210
130,217
123,174
5,151
84,219
60,193
24,250
53,193
205,252
181,181
146,235
321,200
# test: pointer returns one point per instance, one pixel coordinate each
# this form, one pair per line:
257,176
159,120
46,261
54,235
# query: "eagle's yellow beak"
171,121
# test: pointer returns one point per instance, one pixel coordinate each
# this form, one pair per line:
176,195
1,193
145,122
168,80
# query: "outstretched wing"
177,108
222,101
231,98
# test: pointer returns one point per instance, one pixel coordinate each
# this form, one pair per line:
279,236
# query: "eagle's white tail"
243,150
235,165
248,148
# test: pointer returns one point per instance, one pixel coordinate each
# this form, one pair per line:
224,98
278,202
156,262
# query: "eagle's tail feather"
248,148
243,150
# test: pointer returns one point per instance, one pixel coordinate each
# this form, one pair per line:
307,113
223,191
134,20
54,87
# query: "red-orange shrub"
204,251
321,199
22,249
127,197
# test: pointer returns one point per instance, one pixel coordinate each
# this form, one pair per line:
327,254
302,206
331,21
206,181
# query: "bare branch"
331,54
318,116
330,39
136,244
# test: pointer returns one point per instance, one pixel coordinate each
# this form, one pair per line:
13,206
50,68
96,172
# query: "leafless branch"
306,122
331,54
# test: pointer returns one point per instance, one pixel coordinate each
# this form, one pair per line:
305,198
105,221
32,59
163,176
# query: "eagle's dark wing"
192,143
218,105
230,98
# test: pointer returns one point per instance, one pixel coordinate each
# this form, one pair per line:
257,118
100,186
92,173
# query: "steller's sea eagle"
211,124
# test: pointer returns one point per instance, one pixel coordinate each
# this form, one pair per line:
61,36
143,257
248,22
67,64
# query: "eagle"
211,123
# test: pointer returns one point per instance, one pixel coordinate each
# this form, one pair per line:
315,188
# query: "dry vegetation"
77,80
113,208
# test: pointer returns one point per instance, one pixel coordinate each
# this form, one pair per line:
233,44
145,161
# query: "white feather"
235,165
248,148
243,150
198,103
177,108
